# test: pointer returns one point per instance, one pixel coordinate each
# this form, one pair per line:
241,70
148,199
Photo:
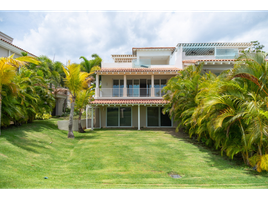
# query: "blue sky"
69,35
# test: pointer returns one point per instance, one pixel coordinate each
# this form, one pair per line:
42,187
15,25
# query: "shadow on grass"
19,135
214,157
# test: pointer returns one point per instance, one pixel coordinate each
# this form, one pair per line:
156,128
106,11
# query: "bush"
41,116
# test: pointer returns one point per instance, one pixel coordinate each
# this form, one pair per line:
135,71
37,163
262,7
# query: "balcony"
130,92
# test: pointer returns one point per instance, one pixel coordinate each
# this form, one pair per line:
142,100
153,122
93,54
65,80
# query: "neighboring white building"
131,86
7,48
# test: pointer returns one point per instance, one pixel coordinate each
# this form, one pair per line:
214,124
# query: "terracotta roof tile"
129,101
139,70
17,47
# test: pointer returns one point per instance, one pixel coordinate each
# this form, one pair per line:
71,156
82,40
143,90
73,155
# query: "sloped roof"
17,47
128,101
139,70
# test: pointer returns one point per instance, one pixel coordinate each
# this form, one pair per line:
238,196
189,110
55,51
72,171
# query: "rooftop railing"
141,63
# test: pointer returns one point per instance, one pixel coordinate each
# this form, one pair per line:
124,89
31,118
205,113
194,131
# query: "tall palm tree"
76,81
8,69
84,96
87,65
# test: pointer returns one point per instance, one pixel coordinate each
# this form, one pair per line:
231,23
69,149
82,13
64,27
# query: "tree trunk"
70,133
80,129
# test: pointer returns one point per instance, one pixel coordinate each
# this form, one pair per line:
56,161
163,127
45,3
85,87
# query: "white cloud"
70,35
1,19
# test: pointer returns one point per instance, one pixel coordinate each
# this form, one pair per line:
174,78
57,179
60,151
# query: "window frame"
159,118
118,115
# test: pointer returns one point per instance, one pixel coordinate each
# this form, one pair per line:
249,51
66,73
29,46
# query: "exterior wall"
107,80
153,53
5,53
107,85
13,50
143,117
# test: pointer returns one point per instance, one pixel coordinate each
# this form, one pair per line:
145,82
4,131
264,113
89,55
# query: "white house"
130,95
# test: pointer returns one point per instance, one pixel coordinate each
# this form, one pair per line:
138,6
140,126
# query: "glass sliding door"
155,118
119,116
157,87
163,84
125,116
115,88
136,88
121,88
149,86
112,116
129,88
152,116
165,120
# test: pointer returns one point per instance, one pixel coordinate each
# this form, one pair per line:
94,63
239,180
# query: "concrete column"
97,86
86,117
152,83
125,86
92,118
139,118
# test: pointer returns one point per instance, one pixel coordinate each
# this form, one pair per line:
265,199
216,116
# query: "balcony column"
97,86
92,116
139,118
152,83
125,86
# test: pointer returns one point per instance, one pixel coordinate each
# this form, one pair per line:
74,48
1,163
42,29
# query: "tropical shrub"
229,112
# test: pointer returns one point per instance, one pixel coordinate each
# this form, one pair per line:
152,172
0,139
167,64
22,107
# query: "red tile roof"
139,70
129,101
17,47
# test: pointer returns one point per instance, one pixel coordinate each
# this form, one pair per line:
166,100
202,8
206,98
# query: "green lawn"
114,159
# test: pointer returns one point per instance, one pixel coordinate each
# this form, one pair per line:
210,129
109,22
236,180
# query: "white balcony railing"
130,92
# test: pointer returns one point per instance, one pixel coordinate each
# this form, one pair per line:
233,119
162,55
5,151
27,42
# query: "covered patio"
125,113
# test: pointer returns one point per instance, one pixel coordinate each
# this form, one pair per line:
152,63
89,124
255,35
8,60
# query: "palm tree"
84,96
82,99
76,81
87,65
8,69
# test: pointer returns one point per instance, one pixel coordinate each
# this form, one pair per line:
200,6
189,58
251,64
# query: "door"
143,87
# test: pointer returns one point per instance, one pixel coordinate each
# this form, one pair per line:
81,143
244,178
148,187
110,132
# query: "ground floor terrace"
135,114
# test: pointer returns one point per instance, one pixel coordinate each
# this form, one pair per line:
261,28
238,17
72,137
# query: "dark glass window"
165,120
112,116
125,116
152,116
155,116
115,88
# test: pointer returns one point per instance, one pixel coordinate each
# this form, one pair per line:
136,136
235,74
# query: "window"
118,116
152,116
158,85
155,117
112,116
165,120
125,116
118,86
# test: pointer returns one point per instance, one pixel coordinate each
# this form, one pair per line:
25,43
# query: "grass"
114,159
